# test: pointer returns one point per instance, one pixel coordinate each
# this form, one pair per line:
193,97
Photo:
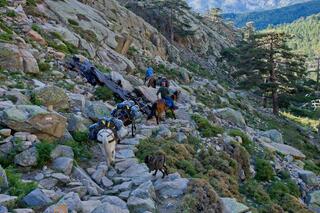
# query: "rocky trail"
225,152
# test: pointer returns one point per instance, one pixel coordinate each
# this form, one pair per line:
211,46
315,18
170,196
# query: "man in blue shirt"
149,74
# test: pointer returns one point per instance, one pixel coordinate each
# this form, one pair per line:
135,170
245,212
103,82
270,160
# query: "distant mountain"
283,15
240,6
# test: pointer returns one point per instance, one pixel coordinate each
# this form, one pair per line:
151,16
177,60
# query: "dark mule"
152,82
156,163
127,119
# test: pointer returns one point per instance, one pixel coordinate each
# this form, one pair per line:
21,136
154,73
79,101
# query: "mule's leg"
174,114
163,173
113,151
155,172
104,148
165,169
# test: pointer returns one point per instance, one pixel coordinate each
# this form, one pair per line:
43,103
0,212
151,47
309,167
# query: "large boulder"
77,123
142,198
3,179
230,115
96,110
149,93
109,208
34,119
313,200
17,59
37,198
7,200
284,149
274,135
117,77
230,205
62,151
308,177
63,164
27,158
171,186
52,96
71,201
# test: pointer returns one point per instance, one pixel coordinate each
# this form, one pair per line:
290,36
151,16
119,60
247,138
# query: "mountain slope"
306,33
240,6
274,17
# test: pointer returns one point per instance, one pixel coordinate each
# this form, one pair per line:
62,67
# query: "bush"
44,66
103,93
246,142
16,186
80,136
310,165
34,100
11,13
279,188
3,3
205,128
200,197
264,170
253,190
73,22
81,150
43,153
5,37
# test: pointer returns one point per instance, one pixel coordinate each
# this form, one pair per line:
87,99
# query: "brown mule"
152,82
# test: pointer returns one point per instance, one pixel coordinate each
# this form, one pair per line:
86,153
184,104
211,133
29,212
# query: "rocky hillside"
224,152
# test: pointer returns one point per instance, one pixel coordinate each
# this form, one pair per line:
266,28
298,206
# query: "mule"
108,142
127,119
160,108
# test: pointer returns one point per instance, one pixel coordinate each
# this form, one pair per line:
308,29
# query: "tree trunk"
273,79
171,26
275,101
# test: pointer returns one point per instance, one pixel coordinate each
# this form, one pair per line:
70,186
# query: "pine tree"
265,61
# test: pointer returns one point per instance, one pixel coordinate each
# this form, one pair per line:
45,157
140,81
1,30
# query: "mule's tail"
153,111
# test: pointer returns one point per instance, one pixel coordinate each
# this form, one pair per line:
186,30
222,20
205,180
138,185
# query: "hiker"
149,74
165,95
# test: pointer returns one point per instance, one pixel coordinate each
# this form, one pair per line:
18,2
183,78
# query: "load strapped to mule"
128,112
95,77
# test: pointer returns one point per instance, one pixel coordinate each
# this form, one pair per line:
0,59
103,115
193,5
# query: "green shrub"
103,93
16,186
205,127
5,37
37,28
264,170
253,190
246,142
34,100
286,194
103,68
310,165
3,3
11,13
31,2
5,28
195,142
44,66
132,51
81,150
187,166
73,22
43,153
80,136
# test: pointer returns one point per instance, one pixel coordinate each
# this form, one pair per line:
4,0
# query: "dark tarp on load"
95,76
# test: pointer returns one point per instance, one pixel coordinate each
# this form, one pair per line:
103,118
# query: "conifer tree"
265,61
